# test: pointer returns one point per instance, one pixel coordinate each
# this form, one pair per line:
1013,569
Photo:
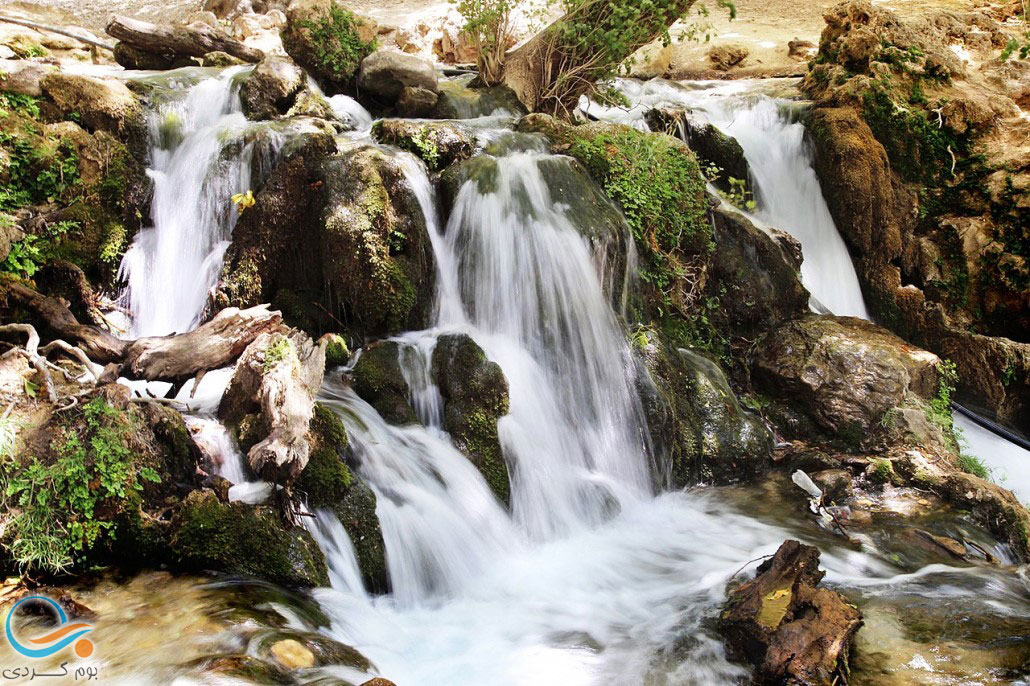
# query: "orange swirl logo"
64,635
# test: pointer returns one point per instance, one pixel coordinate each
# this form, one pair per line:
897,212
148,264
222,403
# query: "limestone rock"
328,41
23,77
415,102
104,104
439,144
269,91
292,654
725,57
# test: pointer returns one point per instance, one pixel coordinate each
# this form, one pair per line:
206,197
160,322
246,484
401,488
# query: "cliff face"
923,148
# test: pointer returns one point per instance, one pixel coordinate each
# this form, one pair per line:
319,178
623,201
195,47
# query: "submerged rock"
458,101
379,381
791,631
475,393
844,373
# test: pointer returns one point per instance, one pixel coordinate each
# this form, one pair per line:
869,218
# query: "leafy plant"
279,350
56,511
739,194
338,46
29,254
1020,45
488,24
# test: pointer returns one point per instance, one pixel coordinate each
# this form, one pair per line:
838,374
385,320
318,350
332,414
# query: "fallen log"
154,358
210,346
278,377
53,29
194,40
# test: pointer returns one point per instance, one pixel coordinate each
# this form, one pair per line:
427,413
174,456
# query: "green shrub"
338,47
55,511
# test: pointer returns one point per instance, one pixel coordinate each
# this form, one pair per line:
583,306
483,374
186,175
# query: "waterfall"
788,193
199,160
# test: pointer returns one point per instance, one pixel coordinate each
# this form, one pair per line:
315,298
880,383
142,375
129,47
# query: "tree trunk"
195,40
278,376
549,75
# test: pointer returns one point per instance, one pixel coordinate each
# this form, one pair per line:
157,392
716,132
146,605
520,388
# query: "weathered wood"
195,40
98,344
31,352
53,29
278,377
211,346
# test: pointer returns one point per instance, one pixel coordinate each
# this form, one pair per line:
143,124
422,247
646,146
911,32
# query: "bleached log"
194,40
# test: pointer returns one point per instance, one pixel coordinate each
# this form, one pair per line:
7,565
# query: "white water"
788,193
173,264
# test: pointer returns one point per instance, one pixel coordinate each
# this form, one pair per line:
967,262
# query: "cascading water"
199,161
788,193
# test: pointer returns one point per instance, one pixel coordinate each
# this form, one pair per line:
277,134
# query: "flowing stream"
590,578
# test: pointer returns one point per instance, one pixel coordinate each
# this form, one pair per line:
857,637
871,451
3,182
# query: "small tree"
488,24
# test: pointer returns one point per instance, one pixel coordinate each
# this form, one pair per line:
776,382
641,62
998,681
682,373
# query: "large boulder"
475,394
328,41
721,153
790,630
459,101
844,373
23,76
699,430
379,381
242,539
384,74
269,90
334,237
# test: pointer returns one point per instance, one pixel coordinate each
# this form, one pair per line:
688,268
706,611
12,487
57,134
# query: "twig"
93,368
744,566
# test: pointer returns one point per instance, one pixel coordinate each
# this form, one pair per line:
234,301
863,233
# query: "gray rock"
415,102
385,73
269,91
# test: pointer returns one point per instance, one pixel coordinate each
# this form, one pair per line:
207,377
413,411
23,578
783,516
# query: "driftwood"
195,40
53,29
154,358
31,351
278,377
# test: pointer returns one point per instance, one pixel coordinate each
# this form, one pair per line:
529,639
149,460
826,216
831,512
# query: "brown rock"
416,102
725,57
791,631
292,654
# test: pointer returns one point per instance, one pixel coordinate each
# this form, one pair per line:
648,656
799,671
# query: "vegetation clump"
331,44
59,508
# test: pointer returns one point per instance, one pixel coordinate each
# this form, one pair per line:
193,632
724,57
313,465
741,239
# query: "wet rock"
378,681
475,393
458,101
835,484
700,432
844,373
725,57
415,102
269,91
132,57
241,539
790,630
252,669
311,103
379,381
23,77
292,654
329,483
384,74
328,41
305,649
712,146
756,276
439,144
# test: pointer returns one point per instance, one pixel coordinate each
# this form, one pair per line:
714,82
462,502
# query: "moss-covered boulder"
268,92
438,144
328,483
328,41
101,104
657,182
376,254
475,394
844,373
699,430
242,539
721,154
379,381
386,73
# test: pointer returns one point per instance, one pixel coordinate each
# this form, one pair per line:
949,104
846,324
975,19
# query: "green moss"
658,184
337,44
241,539
337,354
479,437
326,477
278,351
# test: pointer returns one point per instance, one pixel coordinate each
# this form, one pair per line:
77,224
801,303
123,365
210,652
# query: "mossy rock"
241,539
438,144
329,483
458,101
700,431
379,381
269,90
328,41
475,393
